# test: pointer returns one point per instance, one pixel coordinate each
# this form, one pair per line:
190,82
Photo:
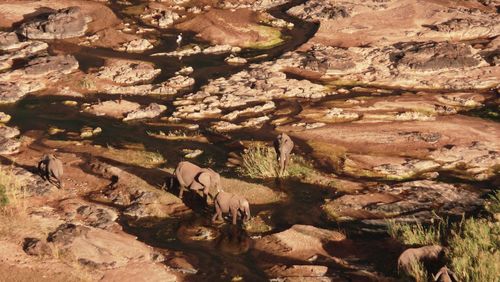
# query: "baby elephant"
197,179
51,166
283,146
230,203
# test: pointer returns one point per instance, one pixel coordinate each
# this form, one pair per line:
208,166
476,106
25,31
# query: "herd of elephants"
195,178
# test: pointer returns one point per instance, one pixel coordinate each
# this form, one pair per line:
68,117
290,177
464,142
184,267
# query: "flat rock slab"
408,200
289,253
464,146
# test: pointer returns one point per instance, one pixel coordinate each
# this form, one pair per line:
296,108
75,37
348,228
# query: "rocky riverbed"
393,107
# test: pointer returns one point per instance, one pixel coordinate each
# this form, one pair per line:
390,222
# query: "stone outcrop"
9,145
262,83
291,253
404,65
415,200
136,46
65,23
151,111
128,72
349,23
463,146
160,17
169,87
112,108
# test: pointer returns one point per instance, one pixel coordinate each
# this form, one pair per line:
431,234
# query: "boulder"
151,111
65,23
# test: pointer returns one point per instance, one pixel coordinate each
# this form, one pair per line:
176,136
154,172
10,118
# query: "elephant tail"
178,175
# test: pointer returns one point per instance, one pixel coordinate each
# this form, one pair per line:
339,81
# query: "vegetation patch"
272,35
11,189
4,200
472,245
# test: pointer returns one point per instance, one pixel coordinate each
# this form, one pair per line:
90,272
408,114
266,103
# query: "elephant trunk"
247,211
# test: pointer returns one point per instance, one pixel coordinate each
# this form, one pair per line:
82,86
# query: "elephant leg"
285,164
234,213
181,191
282,166
218,213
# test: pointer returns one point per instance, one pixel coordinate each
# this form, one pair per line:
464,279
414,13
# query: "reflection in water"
233,240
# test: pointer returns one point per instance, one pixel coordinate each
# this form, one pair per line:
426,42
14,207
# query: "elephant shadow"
190,198
233,240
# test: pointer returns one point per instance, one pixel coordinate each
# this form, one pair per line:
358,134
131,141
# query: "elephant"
445,275
423,254
283,146
226,202
197,179
50,166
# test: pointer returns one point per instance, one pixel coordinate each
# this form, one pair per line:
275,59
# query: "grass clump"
474,250
11,190
493,203
260,161
416,234
4,200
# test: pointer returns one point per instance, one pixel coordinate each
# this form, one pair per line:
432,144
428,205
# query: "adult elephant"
283,146
200,180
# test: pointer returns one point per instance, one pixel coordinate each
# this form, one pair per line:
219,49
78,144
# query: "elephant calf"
50,166
236,205
283,146
196,178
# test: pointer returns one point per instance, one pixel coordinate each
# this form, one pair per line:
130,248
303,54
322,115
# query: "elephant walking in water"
283,146
50,166
197,179
234,204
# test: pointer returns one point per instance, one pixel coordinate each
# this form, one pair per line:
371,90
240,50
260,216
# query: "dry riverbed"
392,119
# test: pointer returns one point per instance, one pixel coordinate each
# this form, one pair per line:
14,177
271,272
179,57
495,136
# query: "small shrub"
87,83
416,234
493,203
4,200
